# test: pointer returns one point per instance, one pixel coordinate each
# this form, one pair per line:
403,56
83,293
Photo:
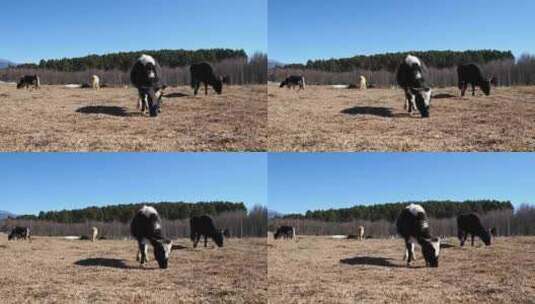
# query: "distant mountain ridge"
6,63
5,214
274,64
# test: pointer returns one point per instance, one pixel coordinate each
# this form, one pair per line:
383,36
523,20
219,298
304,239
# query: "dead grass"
323,270
327,119
55,118
51,270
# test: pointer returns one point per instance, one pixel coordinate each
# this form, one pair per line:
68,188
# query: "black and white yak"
203,73
471,224
203,226
413,225
19,233
287,232
293,81
29,80
410,77
470,74
146,77
146,228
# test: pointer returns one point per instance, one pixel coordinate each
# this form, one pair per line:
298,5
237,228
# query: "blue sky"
33,30
308,181
314,29
32,182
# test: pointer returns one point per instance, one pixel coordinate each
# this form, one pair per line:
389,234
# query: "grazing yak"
470,74
95,82
287,232
203,226
412,224
410,78
28,81
471,224
146,228
19,233
146,77
363,83
203,73
294,81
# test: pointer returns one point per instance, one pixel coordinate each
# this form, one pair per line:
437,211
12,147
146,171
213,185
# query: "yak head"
431,251
422,98
162,250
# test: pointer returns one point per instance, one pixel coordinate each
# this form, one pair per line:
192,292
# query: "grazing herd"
410,76
146,76
413,226
146,229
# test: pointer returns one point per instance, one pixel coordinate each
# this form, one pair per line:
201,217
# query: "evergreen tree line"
239,223
390,61
124,213
390,211
123,61
507,72
240,70
506,222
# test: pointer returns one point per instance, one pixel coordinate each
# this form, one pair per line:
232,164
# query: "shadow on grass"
104,262
175,95
107,110
443,96
367,260
377,111
179,247
446,246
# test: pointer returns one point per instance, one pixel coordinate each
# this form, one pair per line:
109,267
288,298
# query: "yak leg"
409,252
196,85
142,253
196,239
462,237
463,88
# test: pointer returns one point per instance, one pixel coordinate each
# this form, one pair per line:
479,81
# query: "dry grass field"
55,118
323,270
51,270
322,118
